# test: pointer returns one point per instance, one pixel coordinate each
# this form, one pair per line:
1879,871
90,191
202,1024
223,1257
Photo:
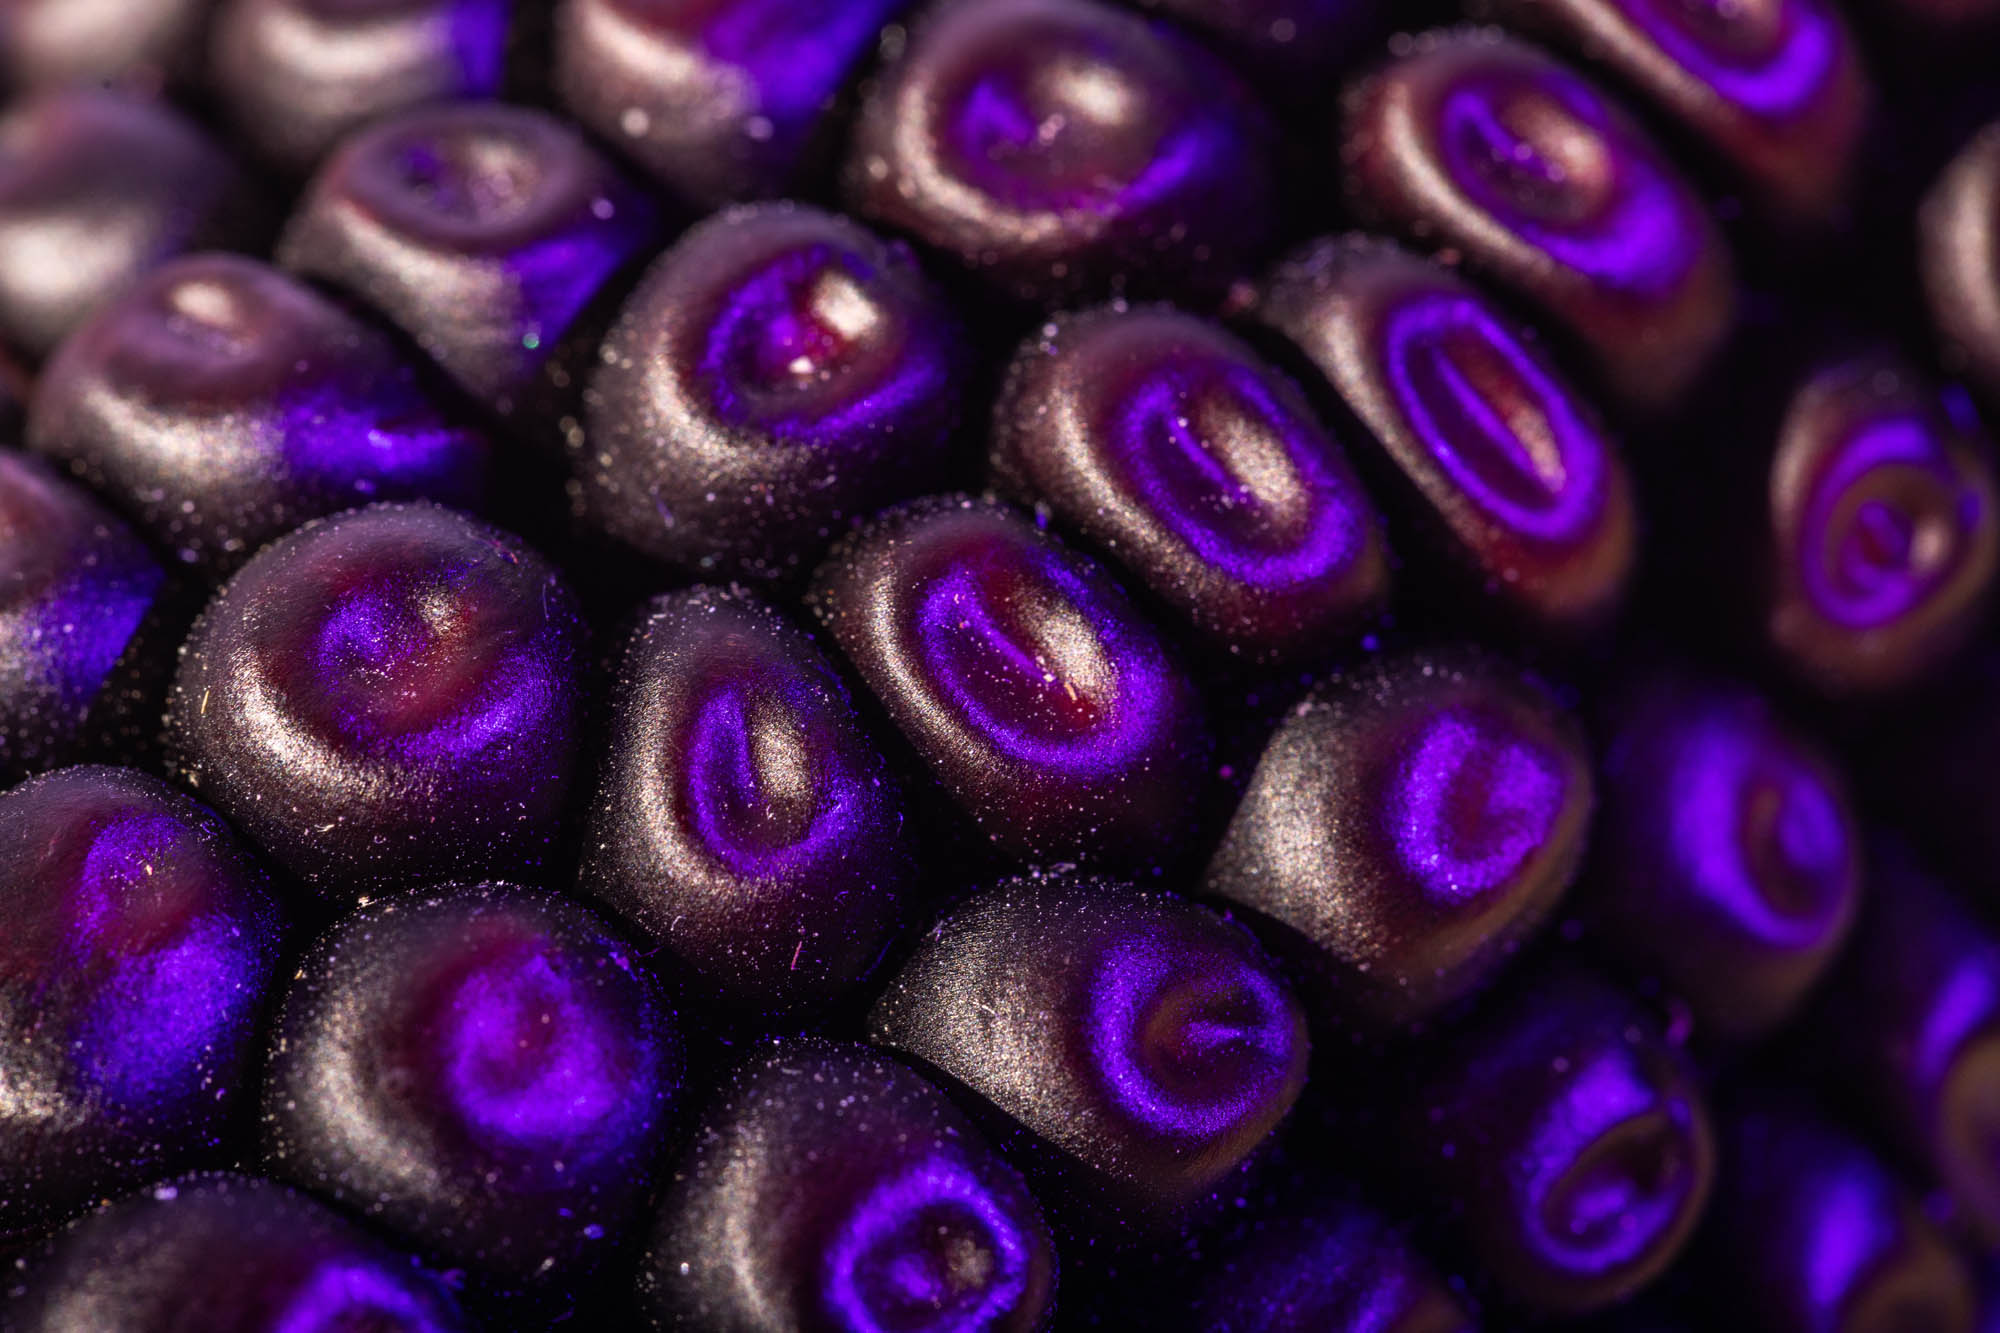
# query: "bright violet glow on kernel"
1506,434
1472,799
1773,58
1185,1044
340,1294
930,1249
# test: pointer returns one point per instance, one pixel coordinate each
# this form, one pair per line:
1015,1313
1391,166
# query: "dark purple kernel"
139,948
1911,1022
222,403
831,1188
1144,1041
718,100
485,1071
778,374
1512,479
1775,88
297,76
384,698
1810,1231
1408,827
1296,42
1066,149
1024,678
1571,1142
116,185
1884,534
1728,861
225,1254
1336,1267
1168,443
744,818
1959,245
75,588
137,44
482,230
1485,145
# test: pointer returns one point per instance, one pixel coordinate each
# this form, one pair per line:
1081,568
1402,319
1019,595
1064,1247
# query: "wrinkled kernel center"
476,178
941,1259
1526,147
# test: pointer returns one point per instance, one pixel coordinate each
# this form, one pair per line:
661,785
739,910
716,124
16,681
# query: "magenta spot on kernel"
741,815
811,319
1544,157
527,1058
930,1250
1226,508
1604,1180
1502,428
1886,522
1770,57
1024,649
1471,801
1754,827
1190,1043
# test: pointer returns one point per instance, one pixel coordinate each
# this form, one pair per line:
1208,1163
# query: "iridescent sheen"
1810,1231
744,817
1571,1142
227,1254
297,76
1884,516
486,1070
1408,826
95,189
139,949
390,696
1912,1024
1169,444
1062,148
1729,862
719,100
1774,87
1958,242
1142,1039
136,44
222,403
778,374
481,230
75,588
1023,676
1514,478
1485,145
830,1187
1333,1266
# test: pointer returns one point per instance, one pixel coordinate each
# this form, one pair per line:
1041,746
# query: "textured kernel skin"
744,818
135,178
1570,1142
1154,181
722,101
1198,468
77,589
1728,857
1026,681
1463,402
1487,146
1958,238
139,952
1810,1230
387,697
222,403
228,1254
483,231
1409,826
823,1173
484,1070
778,375
1145,1044
297,76
1776,89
